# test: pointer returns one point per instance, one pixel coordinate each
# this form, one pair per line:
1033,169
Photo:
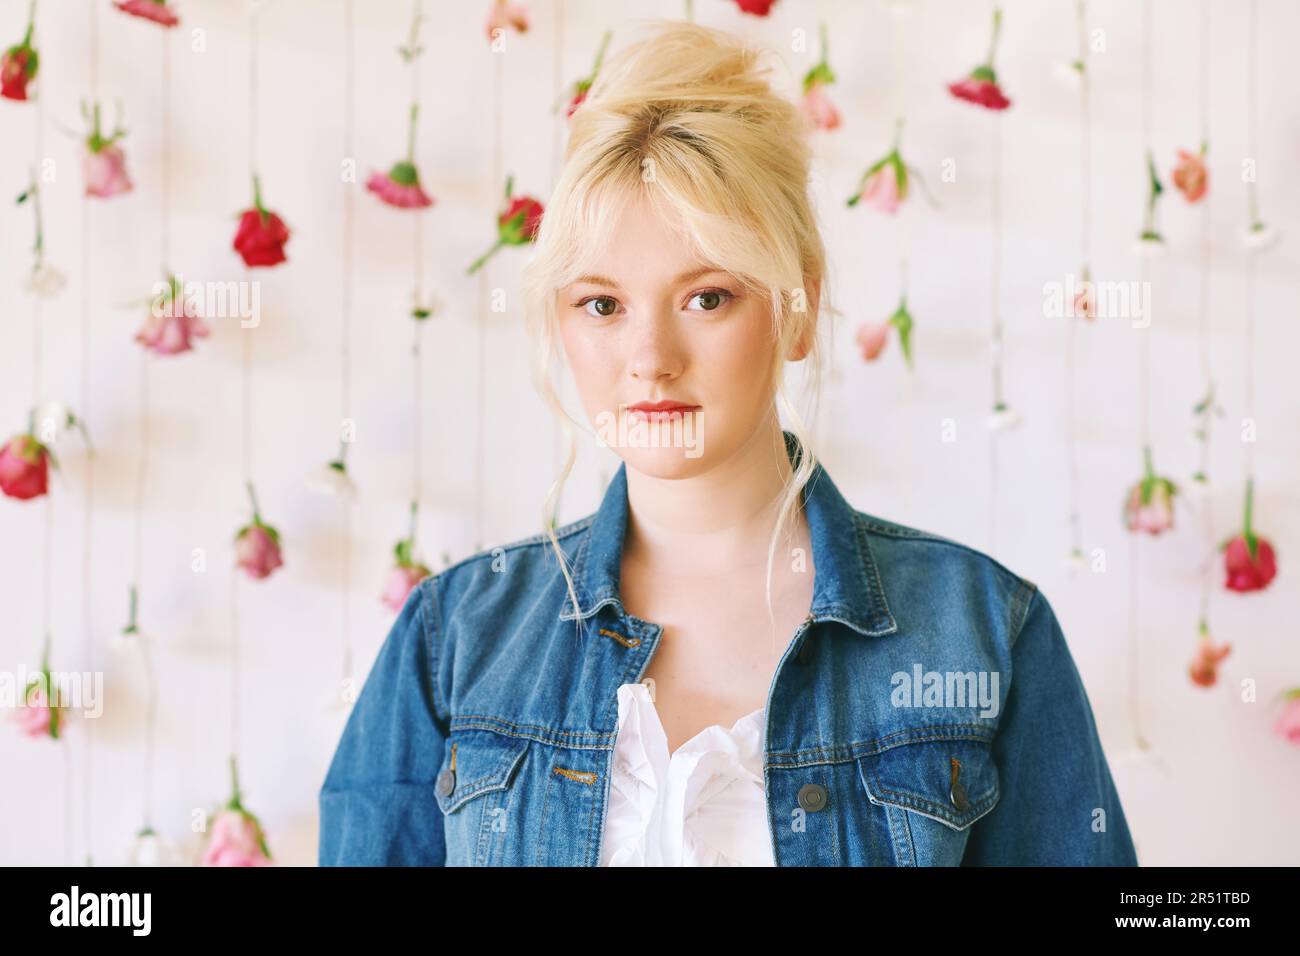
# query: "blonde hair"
688,120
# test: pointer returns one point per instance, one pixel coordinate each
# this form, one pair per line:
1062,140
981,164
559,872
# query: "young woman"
726,664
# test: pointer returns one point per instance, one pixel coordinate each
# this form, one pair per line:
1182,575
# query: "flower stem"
997,28
235,797
252,496
478,263
410,135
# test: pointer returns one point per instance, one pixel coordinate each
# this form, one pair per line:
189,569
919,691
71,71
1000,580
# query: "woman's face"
650,323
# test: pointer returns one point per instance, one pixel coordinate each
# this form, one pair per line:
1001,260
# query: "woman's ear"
800,348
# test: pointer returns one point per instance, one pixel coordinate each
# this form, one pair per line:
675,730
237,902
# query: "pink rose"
819,108
1153,516
400,582
257,550
1150,503
24,468
1288,723
236,840
105,172
400,187
1085,302
1190,176
1205,664
38,718
506,14
155,10
172,324
871,339
881,191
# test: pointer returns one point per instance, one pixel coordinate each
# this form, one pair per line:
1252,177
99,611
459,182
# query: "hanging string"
481,344
88,504
1207,378
246,386
995,195
38,386
345,343
898,61
417,246
1252,150
1085,257
1144,374
557,153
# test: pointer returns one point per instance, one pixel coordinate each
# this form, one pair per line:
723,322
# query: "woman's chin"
668,463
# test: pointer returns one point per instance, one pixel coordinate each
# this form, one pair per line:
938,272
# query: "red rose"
526,229
262,234
24,468
981,85
759,8
983,93
18,68
1244,573
1249,563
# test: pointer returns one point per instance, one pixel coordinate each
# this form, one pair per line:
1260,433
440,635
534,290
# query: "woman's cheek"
593,364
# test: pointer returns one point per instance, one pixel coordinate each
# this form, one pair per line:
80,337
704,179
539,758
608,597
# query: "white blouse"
704,805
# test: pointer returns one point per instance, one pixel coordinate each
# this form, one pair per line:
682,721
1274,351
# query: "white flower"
1069,72
1149,245
1260,236
1197,488
1001,419
52,420
45,281
1077,561
152,849
333,481
127,645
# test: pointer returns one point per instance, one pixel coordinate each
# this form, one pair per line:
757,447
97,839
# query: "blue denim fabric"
488,668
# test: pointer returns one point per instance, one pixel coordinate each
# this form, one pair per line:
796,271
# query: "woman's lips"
660,411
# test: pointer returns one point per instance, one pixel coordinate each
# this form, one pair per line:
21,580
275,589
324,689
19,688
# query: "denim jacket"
927,712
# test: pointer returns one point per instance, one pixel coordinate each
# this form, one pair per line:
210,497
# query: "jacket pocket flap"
484,761
952,780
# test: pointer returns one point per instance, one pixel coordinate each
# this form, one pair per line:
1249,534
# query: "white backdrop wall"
1224,788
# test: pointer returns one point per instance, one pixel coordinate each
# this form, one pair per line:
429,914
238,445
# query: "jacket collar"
846,581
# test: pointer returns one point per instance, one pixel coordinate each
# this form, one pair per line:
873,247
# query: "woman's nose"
656,352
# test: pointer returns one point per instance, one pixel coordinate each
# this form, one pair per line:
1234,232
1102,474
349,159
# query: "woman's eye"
709,300
601,306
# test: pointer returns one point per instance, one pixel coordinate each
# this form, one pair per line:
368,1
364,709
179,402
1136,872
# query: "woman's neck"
716,522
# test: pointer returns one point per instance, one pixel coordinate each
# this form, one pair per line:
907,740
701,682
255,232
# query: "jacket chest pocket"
931,792
475,790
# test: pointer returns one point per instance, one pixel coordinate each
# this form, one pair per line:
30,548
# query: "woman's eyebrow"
680,280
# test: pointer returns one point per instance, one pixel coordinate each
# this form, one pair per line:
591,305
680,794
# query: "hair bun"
682,64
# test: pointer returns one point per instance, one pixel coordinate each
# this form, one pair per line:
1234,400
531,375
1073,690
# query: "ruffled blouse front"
704,805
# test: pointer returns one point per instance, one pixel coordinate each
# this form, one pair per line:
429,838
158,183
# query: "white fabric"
704,805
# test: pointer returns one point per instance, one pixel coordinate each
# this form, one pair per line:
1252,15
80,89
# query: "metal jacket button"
446,783
812,797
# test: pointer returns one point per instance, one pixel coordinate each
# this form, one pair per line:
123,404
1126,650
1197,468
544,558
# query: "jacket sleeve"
377,803
1057,805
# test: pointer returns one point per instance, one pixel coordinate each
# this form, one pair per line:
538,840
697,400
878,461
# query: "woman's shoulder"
920,565
495,582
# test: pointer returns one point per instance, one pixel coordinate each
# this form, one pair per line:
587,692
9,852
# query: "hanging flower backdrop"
952,141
